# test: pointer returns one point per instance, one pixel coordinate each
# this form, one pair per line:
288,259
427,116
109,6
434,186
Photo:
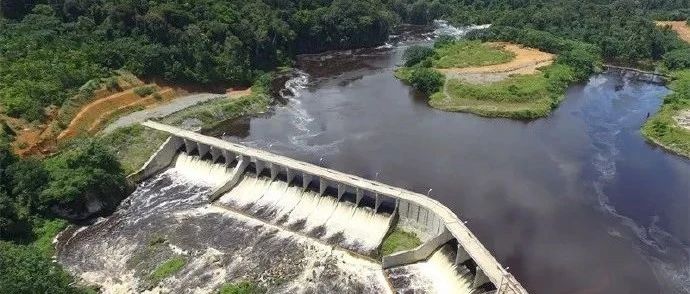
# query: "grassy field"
519,96
470,53
662,128
133,145
399,240
216,111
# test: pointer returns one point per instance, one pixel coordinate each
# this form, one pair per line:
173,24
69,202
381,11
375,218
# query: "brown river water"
574,203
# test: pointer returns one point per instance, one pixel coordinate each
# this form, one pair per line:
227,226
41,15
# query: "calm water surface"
574,203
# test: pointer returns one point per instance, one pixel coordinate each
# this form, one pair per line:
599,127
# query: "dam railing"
433,216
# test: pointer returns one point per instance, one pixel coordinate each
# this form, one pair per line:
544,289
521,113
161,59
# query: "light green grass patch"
519,97
44,232
470,53
167,269
133,145
240,288
399,240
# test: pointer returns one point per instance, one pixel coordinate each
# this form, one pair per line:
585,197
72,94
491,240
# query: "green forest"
50,49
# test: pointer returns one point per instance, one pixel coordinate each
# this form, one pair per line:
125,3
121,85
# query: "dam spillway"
335,208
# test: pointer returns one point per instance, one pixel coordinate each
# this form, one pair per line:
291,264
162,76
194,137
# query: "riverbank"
513,82
668,128
134,144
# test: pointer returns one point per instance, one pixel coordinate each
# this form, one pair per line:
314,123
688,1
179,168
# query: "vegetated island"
494,79
670,126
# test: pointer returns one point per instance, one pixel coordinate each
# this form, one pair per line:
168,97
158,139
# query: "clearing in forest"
93,116
681,27
520,83
525,61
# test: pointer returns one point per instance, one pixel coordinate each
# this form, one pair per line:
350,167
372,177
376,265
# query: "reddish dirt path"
91,117
681,27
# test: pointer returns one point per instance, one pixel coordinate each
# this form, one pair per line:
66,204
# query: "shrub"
144,91
25,269
426,80
677,59
85,172
444,40
416,54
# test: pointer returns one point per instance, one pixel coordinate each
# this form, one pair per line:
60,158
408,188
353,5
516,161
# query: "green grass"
519,97
167,269
662,128
215,111
44,232
133,145
470,53
239,288
399,240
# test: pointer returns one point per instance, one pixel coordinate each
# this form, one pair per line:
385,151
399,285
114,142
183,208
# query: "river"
574,203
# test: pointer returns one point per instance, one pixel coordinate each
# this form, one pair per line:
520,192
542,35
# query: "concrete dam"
336,209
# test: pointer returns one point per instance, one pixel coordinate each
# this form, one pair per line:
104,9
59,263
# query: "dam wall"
332,205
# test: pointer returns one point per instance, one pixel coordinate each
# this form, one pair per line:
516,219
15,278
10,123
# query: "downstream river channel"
574,203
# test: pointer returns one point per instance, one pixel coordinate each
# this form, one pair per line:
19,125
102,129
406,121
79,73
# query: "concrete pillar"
377,203
402,208
274,170
215,154
341,190
203,149
462,255
360,194
227,156
306,180
189,146
422,215
238,170
290,175
413,211
259,165
480,278
323,184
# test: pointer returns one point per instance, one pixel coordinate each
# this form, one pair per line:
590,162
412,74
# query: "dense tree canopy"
48,52
24,269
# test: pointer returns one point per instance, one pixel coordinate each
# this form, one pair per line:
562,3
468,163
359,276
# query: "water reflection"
574,203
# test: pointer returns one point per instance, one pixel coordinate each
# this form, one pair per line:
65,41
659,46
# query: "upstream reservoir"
574,203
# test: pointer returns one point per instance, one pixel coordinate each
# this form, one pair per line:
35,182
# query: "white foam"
438,274
202,172
277,202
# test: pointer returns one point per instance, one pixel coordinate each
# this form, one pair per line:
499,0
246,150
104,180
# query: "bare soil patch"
91,117
526,61
681,27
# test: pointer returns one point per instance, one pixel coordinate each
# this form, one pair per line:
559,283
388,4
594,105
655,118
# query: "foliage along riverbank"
134,145
670,126
663,128
36,196
511,92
